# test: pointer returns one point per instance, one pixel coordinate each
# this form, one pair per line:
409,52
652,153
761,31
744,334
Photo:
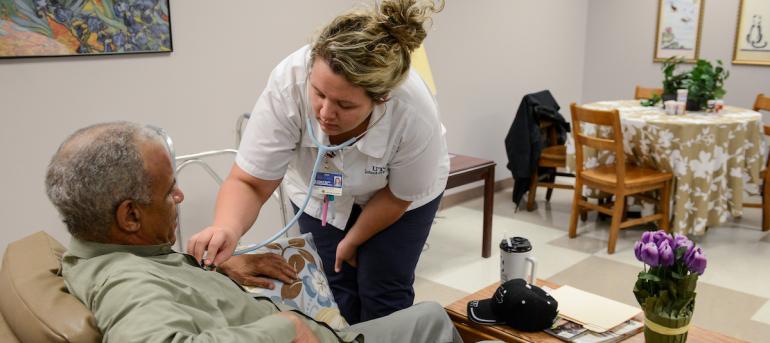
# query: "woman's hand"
218,242
382,210
346,251
256,270
239,200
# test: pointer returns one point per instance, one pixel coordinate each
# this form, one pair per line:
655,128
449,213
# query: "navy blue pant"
383,281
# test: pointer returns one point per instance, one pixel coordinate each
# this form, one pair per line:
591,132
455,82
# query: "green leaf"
649,277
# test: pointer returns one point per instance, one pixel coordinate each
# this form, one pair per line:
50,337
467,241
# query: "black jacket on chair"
524,143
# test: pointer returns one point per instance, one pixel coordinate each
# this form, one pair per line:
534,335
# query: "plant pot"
694,104
658,329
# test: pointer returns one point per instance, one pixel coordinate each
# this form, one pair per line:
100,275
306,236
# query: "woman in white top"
354,82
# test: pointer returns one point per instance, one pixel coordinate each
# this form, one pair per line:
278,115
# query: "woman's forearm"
382,210
240,199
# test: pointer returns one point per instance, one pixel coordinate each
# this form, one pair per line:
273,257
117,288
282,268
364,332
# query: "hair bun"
403,19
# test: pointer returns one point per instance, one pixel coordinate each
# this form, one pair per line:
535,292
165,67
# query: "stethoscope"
322,151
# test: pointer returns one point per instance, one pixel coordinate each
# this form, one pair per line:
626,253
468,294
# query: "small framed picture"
678,30
752,34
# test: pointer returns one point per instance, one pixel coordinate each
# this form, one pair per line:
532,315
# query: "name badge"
328,184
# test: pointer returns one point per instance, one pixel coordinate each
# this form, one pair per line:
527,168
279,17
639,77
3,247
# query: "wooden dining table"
716,158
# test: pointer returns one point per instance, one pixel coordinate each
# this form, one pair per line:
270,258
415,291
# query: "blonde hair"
372,48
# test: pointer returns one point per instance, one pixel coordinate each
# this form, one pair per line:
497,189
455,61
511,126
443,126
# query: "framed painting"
37,28
751,33
678,30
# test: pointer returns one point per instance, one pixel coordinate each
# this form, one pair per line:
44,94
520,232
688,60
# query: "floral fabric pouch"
311,294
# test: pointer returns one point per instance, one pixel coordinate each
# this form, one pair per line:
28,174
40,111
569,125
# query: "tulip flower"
666,254
686,246
660,236
647,237
696,261
638,250
680,240
688,253
650,254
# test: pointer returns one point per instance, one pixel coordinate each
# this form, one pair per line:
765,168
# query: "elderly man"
114,187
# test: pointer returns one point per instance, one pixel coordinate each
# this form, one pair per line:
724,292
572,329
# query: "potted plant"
665,289
705,83
672,80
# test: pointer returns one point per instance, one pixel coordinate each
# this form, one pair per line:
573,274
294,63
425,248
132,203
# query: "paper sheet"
594,312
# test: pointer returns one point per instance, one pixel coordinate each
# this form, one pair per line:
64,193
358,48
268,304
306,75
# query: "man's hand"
218,242
346,251
248,270
303,332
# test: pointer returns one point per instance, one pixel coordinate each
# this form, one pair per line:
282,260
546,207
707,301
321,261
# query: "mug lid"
515,244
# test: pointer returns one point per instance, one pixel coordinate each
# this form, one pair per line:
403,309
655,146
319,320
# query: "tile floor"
733,293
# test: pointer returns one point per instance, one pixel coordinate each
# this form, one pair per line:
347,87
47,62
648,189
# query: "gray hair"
93,171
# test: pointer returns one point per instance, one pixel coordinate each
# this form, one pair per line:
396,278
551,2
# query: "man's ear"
127,217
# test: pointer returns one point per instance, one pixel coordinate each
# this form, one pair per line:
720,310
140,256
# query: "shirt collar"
89,249
373,143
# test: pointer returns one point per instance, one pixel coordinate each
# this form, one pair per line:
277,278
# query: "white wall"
621,41
485,56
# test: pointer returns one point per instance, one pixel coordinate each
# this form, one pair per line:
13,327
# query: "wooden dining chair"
763,103
642,93
554,156
620,179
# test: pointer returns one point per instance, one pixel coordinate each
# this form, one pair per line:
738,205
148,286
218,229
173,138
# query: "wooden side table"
473,332
466,169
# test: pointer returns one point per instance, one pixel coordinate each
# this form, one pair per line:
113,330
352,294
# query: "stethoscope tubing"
322,151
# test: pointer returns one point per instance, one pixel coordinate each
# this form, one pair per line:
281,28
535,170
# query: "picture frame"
752,39
47,28
678,30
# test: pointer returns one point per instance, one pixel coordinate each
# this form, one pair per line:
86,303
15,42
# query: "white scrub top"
405,146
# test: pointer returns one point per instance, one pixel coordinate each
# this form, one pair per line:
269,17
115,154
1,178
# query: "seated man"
114,187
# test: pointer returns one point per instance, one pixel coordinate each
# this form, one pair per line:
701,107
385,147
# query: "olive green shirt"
153,294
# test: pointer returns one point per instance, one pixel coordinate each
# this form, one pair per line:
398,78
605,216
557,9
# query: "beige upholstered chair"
34,303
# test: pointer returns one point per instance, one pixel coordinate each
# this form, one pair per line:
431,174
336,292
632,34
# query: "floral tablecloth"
715,158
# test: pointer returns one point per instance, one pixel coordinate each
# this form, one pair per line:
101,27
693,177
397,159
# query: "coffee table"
473,332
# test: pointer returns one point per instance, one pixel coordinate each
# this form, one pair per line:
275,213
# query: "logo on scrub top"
375,170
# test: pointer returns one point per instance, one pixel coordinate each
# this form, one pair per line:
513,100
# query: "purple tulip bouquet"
665,288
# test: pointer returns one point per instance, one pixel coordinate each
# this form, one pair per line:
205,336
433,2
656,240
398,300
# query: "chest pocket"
376,169
367,176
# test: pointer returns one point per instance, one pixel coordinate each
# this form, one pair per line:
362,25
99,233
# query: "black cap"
523,306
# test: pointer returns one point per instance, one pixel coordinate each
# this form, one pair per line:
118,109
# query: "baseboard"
472,193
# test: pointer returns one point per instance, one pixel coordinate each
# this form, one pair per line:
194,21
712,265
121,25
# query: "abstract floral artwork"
83,27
